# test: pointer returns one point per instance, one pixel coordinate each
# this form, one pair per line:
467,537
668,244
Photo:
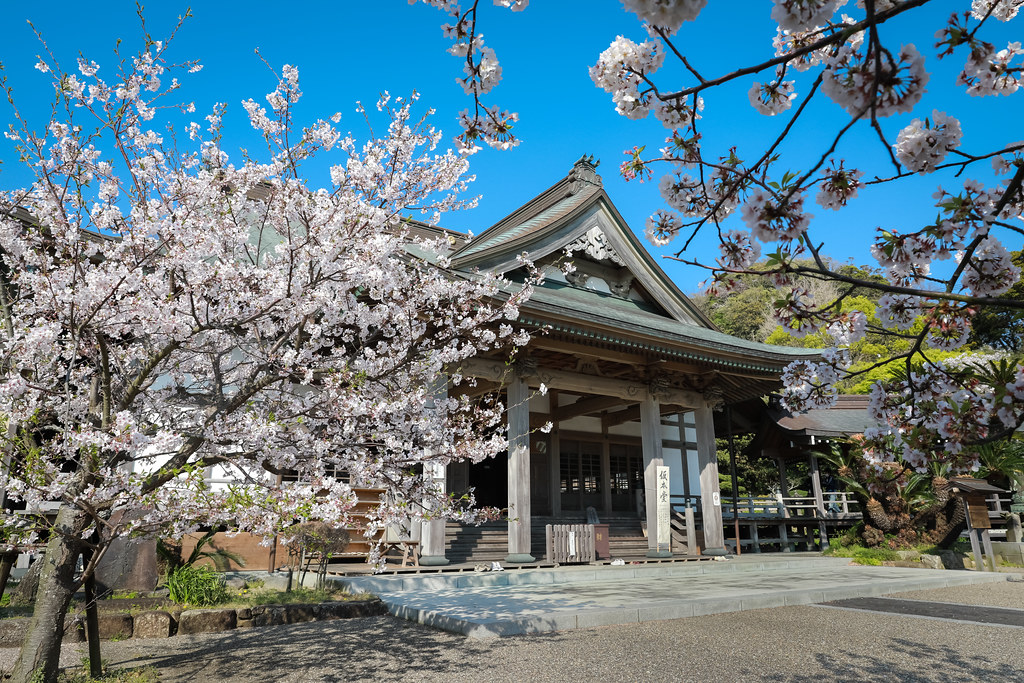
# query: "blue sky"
353,50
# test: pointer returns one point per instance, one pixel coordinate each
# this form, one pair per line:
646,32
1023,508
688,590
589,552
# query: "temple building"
629,373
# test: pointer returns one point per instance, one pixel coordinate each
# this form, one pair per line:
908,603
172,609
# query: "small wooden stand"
973,494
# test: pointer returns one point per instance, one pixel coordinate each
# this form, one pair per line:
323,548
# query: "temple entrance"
626,476
489,479
580,471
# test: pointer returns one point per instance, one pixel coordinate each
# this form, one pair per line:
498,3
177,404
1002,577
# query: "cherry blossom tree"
845,54
167,308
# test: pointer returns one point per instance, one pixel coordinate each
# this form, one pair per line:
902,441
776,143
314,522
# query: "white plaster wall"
584,423
624,429
691,459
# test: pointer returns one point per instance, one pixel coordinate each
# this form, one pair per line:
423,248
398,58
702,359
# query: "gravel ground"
799,644
1009,594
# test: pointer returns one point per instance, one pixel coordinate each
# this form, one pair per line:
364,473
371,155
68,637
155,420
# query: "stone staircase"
489,542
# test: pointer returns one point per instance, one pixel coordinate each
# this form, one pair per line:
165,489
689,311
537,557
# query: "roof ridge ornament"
583,173
594,244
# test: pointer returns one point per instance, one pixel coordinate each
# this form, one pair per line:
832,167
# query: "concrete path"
541,600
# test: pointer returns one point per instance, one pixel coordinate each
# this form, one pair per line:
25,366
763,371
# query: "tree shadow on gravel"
924,664
369,648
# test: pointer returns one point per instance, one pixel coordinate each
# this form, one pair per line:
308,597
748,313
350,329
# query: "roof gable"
576,215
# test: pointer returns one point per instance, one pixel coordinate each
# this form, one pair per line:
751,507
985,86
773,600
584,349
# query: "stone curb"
529,577
161,624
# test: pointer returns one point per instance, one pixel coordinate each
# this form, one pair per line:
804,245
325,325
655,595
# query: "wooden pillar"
783,480
432,532
650,431
819,499
710,495
518,410
555,458
685,452
606,475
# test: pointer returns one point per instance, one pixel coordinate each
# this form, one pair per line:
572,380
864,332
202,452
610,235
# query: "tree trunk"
40,652
7,561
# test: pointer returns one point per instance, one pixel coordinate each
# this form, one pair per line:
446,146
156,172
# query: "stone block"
113,626
952,560
298,614
130,563
268,615
154,624
206,621
932,561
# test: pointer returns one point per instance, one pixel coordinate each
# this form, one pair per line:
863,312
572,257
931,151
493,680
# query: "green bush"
197,586
862,555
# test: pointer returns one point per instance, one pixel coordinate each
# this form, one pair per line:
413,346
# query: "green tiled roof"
632,319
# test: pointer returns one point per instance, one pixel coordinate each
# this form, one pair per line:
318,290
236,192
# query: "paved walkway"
541,600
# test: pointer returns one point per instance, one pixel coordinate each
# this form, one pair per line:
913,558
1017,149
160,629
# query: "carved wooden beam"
498,371
586,406
631,415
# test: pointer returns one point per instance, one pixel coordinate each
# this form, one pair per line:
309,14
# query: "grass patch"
860,555
297,596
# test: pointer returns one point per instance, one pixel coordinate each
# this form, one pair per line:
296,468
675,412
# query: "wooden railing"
836,505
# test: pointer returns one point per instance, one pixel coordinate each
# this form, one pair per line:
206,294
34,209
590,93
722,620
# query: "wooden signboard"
977,510
664,510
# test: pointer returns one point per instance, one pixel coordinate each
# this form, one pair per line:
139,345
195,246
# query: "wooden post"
819,500
606,475
710,495
685,453
518,409
555,469
432,532
650,431
92,623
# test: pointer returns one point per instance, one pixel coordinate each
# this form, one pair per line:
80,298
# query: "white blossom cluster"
1003,10
848,328
898,311
231,316
618,71
849,80
489,124
921,146
991,72
938,409
797,312
807,384
948,327
773,97
800,15
787,42
678,113
771,218
838,186
991,270
662,226
665,14
739,250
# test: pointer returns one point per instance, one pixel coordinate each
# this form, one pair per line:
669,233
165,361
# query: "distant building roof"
847,417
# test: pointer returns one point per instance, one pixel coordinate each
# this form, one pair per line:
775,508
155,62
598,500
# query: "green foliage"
1002,328
197,586
755,476
862,555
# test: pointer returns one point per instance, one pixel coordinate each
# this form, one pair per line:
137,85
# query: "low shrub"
198,586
